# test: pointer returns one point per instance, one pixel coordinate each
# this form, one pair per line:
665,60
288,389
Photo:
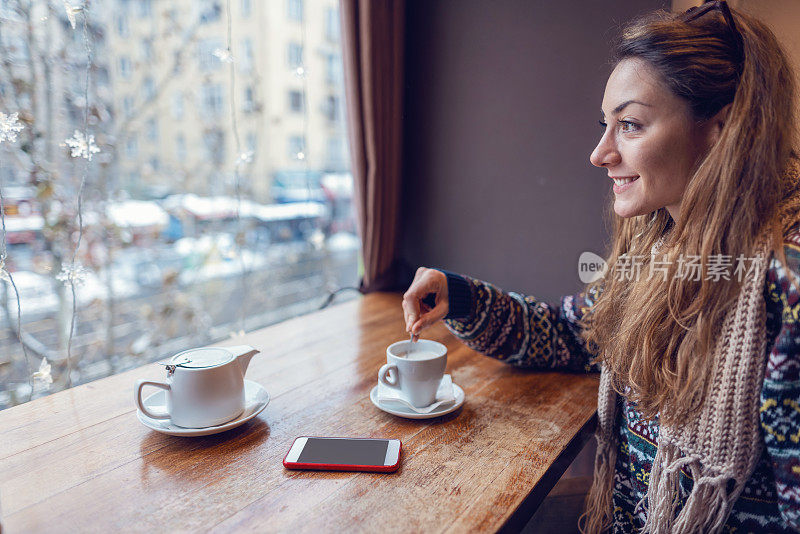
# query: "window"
294,55
336,154
152,129
131,147
332,24
296,101
205,53
333,69
145,8
246,56
177,62
249,103
210,11
125,68
331,108
102,75
149,89
180,148
211,100
294,10
147,51
164,131
214,141
297,145
252,141
127,106
122,25
18,50
177,105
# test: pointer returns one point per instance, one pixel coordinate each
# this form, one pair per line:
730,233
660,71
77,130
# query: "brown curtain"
372,42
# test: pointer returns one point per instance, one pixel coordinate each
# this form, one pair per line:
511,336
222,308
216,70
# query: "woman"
695,324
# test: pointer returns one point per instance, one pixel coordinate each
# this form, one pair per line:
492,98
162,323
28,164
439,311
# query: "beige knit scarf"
719,446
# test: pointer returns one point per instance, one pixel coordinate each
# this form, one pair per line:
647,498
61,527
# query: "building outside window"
164,134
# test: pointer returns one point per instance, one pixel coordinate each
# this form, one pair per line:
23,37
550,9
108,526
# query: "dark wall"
501,109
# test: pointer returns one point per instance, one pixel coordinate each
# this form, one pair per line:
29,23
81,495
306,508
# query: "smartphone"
344,454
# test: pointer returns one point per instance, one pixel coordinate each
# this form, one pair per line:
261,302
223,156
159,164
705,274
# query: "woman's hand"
418,314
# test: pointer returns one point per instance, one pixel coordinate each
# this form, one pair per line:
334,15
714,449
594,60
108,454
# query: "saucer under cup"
414,370
399,410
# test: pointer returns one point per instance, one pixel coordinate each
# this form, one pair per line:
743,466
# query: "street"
183,312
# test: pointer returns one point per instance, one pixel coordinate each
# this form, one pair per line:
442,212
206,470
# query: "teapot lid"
200,358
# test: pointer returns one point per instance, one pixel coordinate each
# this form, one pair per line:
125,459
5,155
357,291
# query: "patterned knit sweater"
526,332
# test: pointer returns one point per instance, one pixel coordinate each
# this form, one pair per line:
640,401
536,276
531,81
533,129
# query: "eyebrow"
624,104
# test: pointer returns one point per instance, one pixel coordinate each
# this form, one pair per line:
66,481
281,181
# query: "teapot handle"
138,396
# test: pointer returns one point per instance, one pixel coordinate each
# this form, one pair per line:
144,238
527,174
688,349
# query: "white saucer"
401,411
256,399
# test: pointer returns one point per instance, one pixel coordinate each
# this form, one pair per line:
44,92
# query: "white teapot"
204,386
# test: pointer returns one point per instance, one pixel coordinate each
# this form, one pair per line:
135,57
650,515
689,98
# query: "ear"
715,125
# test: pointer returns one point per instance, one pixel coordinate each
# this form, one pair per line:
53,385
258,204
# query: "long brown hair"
653,334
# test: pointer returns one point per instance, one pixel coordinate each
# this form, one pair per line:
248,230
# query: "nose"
605,154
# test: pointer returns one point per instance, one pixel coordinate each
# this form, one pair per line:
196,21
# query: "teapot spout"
243,355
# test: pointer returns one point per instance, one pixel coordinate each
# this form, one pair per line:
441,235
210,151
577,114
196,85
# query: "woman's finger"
410,309
427,319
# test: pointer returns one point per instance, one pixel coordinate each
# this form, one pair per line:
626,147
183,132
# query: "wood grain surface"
80,461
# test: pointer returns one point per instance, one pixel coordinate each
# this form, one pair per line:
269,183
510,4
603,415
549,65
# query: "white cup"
416,377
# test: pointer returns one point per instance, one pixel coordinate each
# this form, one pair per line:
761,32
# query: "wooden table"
80,461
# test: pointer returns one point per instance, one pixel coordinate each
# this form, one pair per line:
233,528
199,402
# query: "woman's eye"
628,126
602,124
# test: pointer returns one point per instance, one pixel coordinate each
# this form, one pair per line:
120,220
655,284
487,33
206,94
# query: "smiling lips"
623,182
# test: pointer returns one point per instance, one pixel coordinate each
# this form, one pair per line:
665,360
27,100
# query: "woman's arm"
780,394
517,329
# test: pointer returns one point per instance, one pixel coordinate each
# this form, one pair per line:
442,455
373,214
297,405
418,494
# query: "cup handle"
388,375
138,396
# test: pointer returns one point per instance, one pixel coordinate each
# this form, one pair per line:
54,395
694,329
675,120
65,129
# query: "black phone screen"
344,451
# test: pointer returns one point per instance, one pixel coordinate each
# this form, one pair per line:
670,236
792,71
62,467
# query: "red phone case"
342,467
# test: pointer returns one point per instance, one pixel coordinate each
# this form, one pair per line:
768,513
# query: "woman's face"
650,137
